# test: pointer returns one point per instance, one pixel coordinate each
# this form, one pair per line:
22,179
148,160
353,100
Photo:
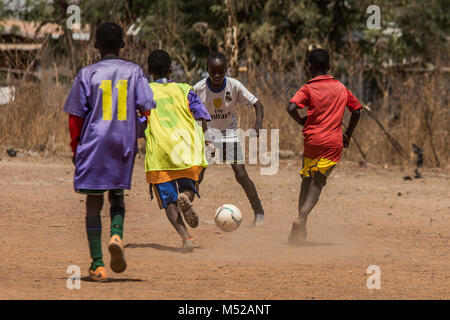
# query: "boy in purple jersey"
103,125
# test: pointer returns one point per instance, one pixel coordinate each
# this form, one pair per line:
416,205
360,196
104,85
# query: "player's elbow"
292,107
356,114
258,105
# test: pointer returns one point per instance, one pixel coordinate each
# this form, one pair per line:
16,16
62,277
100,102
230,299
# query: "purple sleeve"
76,102
144,94
197,107
142,126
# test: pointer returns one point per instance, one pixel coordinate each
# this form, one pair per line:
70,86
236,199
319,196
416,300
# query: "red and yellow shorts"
322,165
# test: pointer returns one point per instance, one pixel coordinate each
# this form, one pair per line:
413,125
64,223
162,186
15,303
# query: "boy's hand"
354,118
259,110
141,114
257,127
346,140
210,148
303,120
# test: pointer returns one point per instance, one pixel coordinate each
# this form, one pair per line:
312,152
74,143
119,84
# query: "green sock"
117,225
94,235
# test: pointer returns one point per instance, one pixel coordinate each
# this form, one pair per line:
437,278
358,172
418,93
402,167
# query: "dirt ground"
366,216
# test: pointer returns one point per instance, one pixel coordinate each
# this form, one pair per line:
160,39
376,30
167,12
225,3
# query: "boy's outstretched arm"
351,126
259,110
198,110
204,125
292,110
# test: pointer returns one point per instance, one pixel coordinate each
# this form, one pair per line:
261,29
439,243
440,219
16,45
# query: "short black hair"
216,55
159,62
319,59
109,36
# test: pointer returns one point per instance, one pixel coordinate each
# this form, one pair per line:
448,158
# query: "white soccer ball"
228,217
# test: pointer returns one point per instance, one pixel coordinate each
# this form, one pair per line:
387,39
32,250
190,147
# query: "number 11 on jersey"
106,88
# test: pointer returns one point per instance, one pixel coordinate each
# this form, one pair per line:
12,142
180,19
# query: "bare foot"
189,213
259,220
298,232
188,245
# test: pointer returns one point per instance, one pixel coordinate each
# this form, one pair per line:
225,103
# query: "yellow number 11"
106,87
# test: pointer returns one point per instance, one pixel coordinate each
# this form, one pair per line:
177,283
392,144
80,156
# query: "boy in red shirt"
326,99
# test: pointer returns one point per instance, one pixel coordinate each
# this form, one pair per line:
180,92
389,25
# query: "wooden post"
389,137
231,40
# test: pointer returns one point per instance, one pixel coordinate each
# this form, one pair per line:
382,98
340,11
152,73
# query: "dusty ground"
361,220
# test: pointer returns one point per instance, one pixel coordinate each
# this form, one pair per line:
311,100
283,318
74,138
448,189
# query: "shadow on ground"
157,246
114,280
317,244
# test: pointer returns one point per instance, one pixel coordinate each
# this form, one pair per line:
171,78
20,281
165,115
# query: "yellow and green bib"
174,139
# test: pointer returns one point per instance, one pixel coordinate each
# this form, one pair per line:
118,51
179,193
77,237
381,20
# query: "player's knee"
117,210
306,179
190,193
320,180
114,197
94,205
241,176
115,200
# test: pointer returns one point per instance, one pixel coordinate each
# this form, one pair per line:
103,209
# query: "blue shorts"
167,192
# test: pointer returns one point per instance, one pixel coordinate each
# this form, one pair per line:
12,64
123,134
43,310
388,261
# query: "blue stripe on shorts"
167,192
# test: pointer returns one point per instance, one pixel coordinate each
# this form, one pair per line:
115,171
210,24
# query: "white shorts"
229,152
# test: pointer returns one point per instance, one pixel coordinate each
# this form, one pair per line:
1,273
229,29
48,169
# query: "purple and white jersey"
107,94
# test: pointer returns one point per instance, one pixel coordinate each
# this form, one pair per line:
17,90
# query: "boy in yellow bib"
175,146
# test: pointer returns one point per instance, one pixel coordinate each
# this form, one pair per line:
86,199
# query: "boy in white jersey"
220,95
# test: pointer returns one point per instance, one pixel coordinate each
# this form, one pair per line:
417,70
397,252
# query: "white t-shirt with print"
221,104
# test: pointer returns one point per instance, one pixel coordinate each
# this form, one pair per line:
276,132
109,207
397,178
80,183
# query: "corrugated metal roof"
27,29
20,46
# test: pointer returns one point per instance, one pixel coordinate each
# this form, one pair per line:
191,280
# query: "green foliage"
273,32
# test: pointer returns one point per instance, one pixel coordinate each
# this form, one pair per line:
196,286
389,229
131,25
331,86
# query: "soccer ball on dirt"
228,217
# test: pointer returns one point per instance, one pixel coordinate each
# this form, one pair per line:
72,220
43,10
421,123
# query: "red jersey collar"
322,77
